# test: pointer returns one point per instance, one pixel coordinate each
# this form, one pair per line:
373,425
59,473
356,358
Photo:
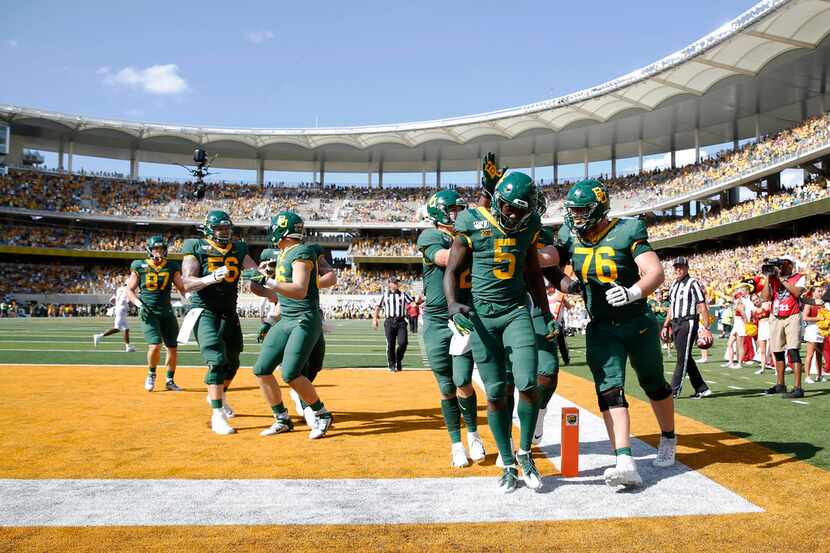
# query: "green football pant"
450,371
220,341
289,343
162,328
548,355
610,344
315,359
505,344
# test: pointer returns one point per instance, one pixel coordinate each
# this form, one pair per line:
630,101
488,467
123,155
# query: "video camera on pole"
202,161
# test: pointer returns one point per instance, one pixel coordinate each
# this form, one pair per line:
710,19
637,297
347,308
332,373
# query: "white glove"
617,295
219,273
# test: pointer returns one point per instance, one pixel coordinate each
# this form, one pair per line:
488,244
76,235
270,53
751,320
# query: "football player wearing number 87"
498,244
618,269
211,269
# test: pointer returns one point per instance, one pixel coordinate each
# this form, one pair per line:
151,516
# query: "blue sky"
292,64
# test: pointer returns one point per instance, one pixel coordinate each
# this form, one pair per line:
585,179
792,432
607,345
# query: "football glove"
263,330
552,327
219,273
253,275
490,173
617,295
460,315
575,287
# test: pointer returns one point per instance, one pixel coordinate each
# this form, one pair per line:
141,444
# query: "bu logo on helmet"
600,194
282,221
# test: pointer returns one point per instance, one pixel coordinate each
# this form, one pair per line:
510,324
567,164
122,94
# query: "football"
704,343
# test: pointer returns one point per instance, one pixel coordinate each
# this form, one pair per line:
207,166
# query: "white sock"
522,452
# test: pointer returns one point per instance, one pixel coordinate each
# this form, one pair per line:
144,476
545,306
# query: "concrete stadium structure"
763,71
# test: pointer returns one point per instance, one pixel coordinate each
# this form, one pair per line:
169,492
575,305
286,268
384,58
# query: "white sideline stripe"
735,387
801,402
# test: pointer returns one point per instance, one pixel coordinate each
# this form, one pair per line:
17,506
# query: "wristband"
270,283
635,292
207,280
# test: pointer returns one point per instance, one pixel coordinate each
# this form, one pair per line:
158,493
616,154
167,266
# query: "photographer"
784,288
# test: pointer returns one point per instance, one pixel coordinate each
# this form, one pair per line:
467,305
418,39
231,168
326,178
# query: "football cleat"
624,474
227,409
309,416
128,348
509,480
476,446
172,386
219,424
540,426
150,382
295,397
281,424
459,456
665,452
96,339
323,421
530,474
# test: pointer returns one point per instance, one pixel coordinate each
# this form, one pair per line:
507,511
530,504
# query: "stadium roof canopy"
763,71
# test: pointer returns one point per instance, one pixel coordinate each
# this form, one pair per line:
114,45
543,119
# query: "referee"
394,303
688,308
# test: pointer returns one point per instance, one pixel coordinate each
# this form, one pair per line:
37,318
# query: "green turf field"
737,406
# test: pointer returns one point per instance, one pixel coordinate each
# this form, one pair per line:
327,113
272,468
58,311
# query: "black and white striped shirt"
394,303
684,295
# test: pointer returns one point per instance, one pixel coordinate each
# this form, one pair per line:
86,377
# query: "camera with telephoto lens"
772,265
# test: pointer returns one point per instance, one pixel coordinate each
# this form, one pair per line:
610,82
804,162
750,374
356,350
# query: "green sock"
151,370
469,410
499,421
527,412
317,405
545,393
170,375
278,409
303,404
216,403
452,418
622,451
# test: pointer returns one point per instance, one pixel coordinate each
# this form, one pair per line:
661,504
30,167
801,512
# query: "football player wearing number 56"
211,268
148,288
618,270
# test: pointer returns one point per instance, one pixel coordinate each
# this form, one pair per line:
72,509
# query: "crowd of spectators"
248,202
745,210
45,278
47,236
353,281
384,246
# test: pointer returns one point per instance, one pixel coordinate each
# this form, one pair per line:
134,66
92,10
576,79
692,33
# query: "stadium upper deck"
763,71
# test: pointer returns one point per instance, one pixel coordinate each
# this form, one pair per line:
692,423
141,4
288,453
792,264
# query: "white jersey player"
120,310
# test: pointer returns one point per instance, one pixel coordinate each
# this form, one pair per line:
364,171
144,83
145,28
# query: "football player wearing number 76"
618,269
211,269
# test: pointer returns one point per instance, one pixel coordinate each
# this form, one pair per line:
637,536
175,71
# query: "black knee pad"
615,397
230,372
660,393
795,356
780,356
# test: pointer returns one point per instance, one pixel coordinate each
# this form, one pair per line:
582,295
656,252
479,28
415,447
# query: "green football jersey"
155,281
430,242
219,297
498,259
285,271
610,259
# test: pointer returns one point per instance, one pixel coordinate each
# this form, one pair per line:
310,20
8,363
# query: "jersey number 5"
500,256
231,263
604,267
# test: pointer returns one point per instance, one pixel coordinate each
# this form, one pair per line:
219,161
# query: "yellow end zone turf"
98,422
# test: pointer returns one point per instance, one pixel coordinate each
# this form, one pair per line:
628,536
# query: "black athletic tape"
662,393
780,356
795,356
615,397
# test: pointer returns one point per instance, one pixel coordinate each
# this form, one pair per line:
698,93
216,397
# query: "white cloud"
12,43
258,37
156,79
681,158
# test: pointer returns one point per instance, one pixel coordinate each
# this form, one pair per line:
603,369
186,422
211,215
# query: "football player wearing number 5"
211,268
292,340
499,246
148,288
454,373
618,269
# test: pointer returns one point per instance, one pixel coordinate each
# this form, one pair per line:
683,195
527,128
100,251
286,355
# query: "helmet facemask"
512,216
